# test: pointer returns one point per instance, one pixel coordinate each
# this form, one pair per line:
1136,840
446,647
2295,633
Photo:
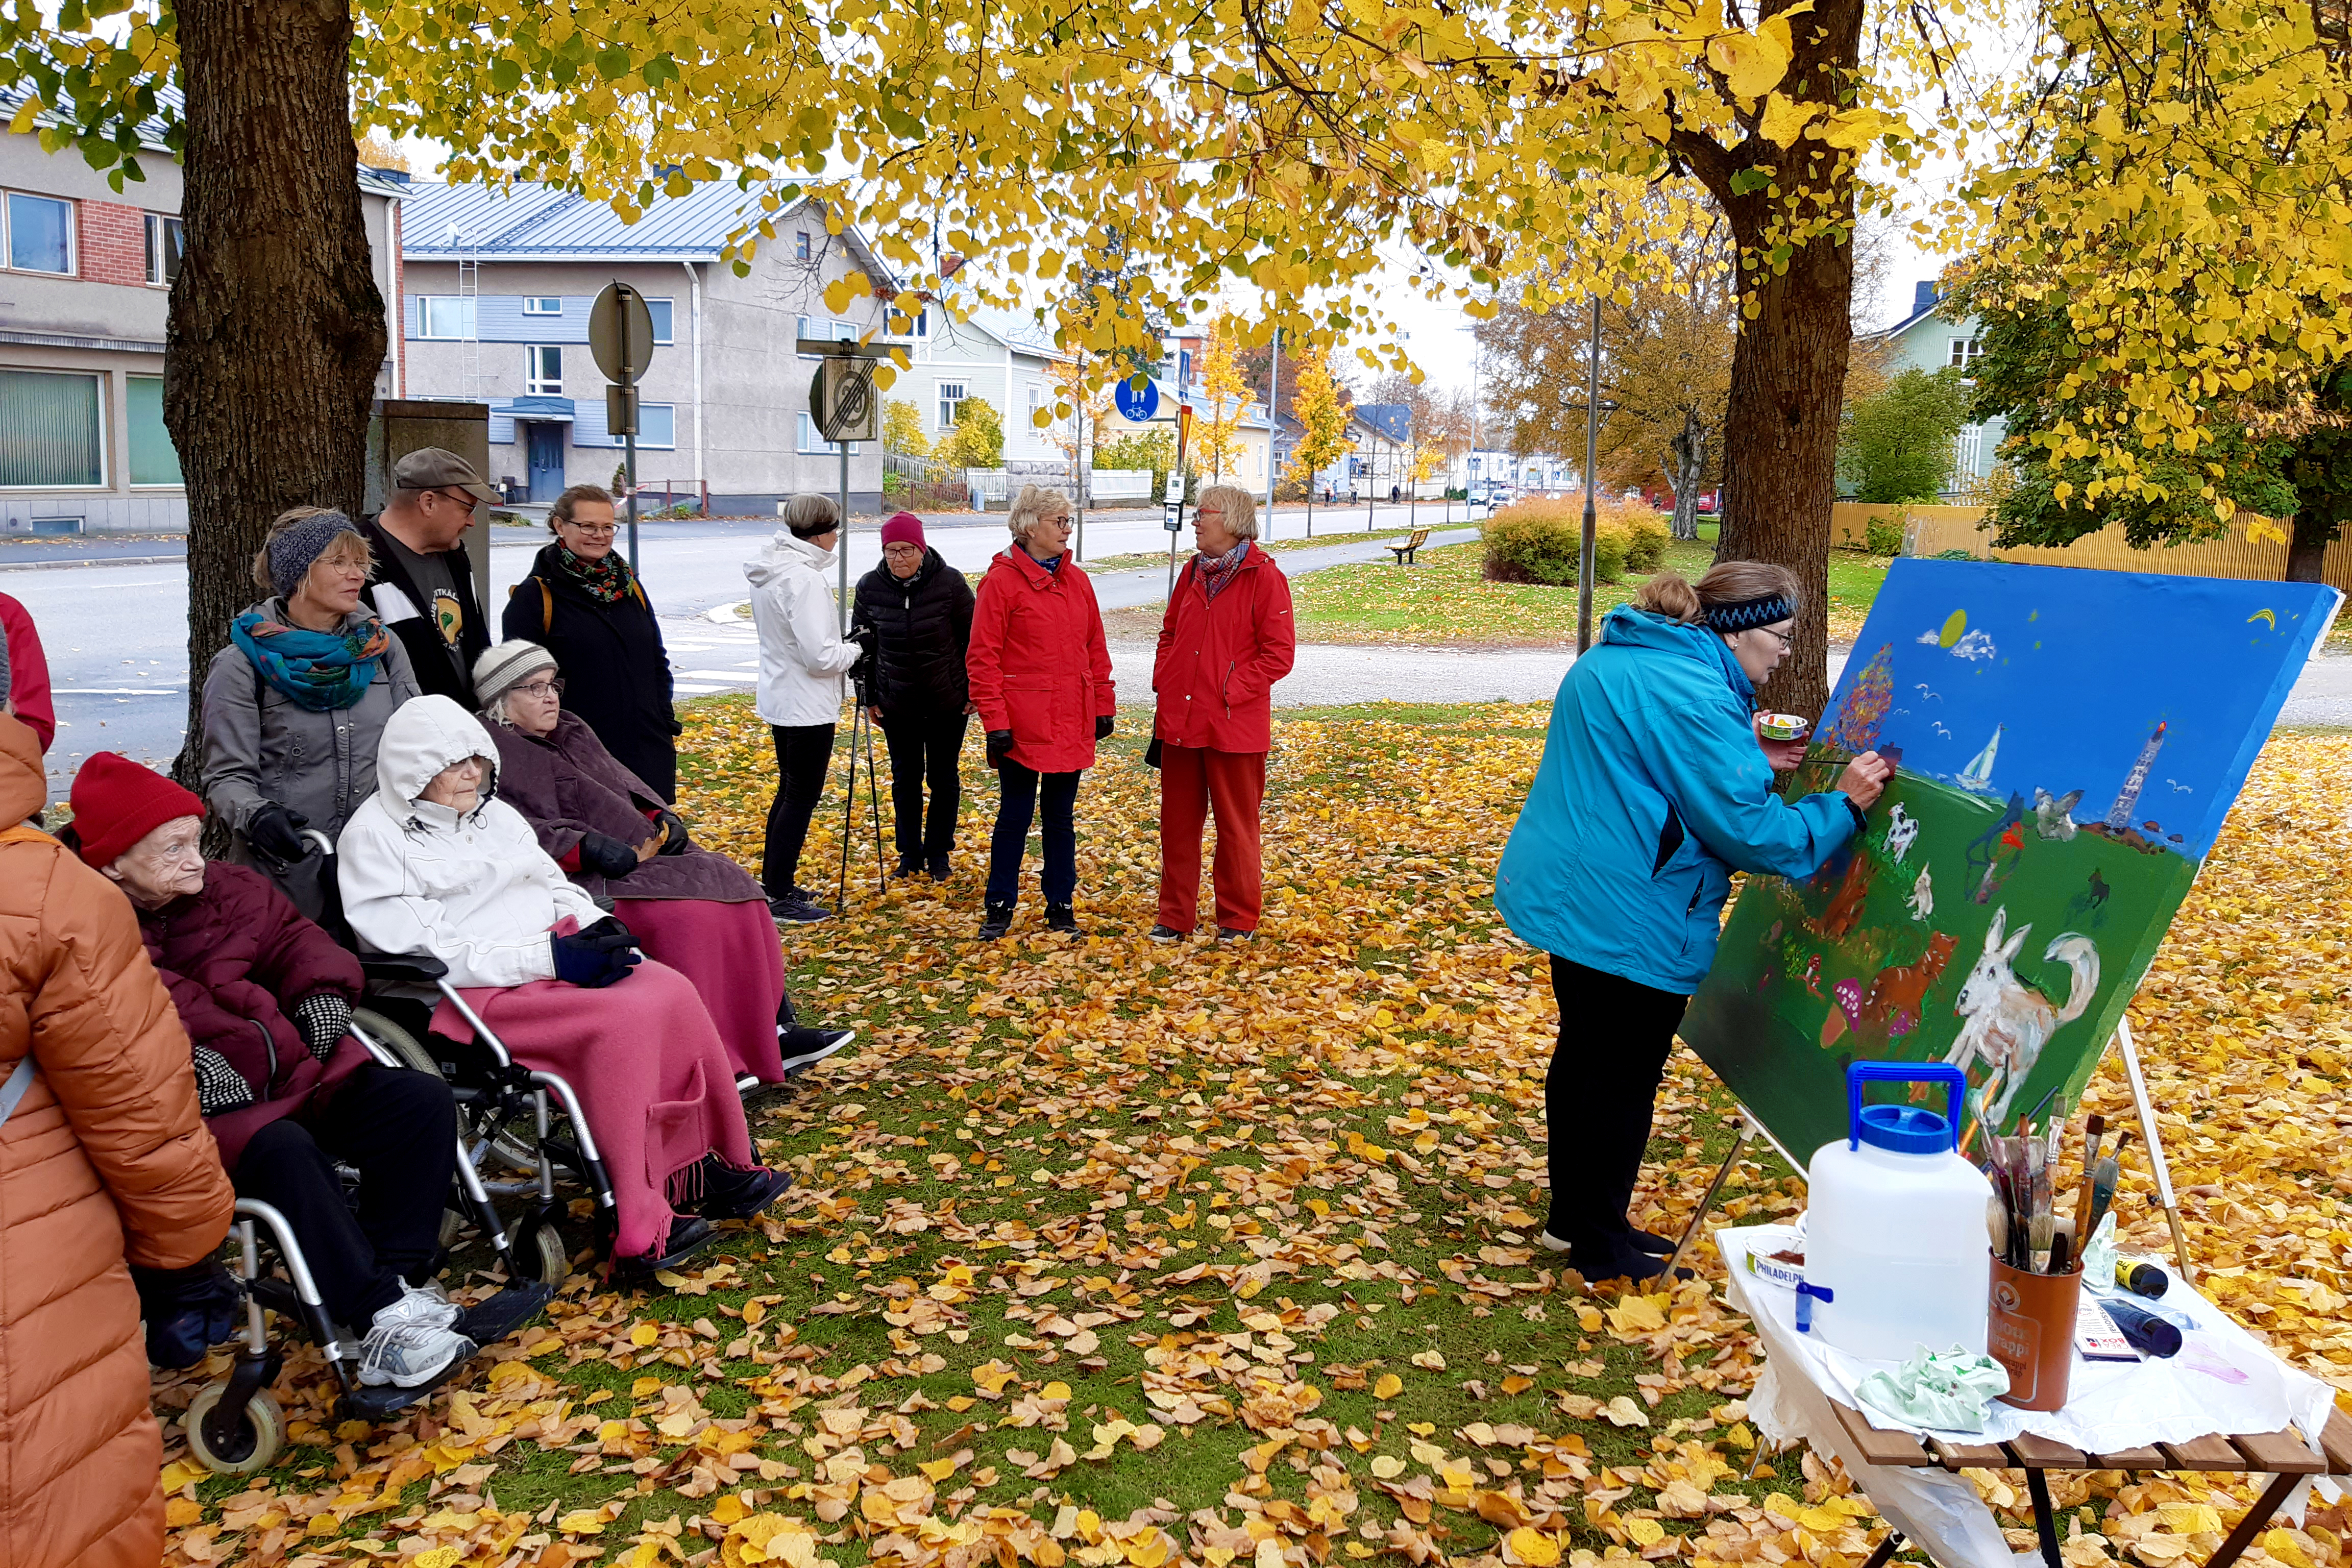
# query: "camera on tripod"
863,674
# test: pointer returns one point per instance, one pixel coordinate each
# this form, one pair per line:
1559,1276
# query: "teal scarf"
316,670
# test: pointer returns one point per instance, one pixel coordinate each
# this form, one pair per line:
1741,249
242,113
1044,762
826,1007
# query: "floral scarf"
606,578
314,671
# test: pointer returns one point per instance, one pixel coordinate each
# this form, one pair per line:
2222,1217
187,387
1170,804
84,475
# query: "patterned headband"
1747,615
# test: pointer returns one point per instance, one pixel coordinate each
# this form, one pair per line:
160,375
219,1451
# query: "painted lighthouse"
2119,815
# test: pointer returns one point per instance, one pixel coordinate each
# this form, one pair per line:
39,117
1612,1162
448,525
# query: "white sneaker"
408,1355
1549,1242
427,1304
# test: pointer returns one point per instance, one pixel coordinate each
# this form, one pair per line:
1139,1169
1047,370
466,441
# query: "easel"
1750,1128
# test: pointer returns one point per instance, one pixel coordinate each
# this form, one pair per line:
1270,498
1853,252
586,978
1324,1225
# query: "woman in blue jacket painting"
1655,787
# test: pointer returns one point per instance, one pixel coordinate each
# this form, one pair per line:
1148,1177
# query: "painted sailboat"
1977,777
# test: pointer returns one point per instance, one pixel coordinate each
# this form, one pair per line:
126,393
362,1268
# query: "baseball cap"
436,467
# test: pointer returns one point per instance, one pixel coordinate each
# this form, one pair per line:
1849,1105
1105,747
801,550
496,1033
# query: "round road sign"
1137,406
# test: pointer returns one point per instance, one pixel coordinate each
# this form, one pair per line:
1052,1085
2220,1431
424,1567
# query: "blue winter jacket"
1651,791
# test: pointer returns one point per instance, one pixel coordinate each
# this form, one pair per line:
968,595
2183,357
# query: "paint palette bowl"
1783,726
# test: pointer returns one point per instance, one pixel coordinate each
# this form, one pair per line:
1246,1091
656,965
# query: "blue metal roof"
1394,420
537,222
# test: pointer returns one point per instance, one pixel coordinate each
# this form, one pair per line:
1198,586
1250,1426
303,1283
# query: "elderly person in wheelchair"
266,997
689,908
435,864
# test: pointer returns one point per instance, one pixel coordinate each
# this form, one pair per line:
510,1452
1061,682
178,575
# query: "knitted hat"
502,669
904,528
292,552
117,803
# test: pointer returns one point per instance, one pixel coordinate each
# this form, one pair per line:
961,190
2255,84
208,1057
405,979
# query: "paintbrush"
2062,1246
2037,1224
2103,1184
2095,1133
1996,1225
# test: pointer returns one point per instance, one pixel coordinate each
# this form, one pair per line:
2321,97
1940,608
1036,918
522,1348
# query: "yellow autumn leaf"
583,1521
1386,1467
1751,65
1644,1532
1624,1411
1389,1386
1533,1547
1784,119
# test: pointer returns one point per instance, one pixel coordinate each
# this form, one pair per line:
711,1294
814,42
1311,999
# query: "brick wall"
112,243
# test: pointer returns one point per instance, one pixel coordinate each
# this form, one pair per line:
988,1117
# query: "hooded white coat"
472,890
802,656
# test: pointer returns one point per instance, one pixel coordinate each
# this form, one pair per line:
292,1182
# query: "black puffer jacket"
925,627
616,673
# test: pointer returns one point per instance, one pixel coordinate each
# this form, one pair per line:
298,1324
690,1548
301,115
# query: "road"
116,634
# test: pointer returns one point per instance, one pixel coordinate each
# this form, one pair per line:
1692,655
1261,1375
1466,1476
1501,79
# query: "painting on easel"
2066,744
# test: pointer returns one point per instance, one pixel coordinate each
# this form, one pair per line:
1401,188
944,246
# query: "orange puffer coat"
104,1159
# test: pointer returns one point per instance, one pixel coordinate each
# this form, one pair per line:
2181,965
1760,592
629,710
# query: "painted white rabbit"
2008,1022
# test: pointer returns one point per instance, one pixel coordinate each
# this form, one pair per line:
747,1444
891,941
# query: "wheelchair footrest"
494,1319
375,1405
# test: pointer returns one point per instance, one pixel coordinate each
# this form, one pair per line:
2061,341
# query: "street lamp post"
1591,457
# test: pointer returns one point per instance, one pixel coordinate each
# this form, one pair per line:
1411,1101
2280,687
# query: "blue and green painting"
2066,744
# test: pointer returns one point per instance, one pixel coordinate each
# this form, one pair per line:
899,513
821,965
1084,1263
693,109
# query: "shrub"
1646,537
1884,535
1528,545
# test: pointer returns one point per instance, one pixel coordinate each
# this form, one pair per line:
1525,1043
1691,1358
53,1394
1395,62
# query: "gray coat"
260,747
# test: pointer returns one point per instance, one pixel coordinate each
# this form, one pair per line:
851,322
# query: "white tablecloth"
2223,1380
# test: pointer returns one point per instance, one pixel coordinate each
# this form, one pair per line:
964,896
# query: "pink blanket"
731,954
650,1070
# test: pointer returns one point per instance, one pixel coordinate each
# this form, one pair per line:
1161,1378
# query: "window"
153,459
444,316
165,241
800,246
40,233
825,327
657,424
51,433
1037,400
923,322
664,317
543,370
811,441
543,305
950,393
1966,351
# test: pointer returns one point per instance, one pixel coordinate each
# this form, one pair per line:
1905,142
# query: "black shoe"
1656,1246
688,1234
938,867
802,1047
909,865
996,921
1236,933
1167,934
1063,917
796,908
730,1193
1638,1267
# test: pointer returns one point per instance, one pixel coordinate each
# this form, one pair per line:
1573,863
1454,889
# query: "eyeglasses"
463,497
593,530
902,550
1787,639
553,687
1060,520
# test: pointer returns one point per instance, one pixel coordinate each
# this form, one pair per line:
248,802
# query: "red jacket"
28,672
1038,663
1219,658
237,958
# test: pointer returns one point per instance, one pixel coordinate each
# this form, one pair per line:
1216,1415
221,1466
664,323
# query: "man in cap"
423,585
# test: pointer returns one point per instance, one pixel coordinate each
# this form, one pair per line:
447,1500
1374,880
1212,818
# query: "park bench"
1403,553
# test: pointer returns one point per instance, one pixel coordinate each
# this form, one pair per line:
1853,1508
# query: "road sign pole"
629,457
841,546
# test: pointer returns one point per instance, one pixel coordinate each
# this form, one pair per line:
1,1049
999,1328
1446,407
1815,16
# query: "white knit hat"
502,669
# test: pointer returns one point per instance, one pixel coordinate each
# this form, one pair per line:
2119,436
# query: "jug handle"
1955,1082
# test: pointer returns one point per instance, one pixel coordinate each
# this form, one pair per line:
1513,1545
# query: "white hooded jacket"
802,656
474,891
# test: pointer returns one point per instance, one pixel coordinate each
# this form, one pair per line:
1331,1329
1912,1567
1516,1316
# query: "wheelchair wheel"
553,1263
260,1436
411,1052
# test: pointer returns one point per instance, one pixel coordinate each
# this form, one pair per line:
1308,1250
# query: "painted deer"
2008,1022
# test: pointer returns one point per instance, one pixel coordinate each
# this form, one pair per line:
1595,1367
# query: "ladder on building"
469,290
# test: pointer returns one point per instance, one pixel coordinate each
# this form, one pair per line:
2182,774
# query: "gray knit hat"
502,669
292,549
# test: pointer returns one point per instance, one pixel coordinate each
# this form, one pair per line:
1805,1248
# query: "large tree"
1295,144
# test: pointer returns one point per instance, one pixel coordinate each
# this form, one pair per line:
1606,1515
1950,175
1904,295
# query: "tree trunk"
277,329
2306,549
1686,452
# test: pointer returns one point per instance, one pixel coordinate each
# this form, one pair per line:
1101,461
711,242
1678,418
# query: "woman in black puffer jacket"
921,609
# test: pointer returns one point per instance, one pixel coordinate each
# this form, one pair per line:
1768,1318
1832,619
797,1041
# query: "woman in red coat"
1040,674
1227,637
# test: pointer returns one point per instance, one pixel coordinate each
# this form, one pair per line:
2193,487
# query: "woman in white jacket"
434,863
802,658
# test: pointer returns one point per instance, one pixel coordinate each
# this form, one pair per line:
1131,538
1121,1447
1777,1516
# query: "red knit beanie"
117,803
904,528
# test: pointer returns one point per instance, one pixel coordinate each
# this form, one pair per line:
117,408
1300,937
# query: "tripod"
861,736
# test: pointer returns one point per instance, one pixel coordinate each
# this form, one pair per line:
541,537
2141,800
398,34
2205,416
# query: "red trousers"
1193,782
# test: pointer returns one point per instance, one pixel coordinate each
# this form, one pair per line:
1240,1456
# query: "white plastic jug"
1896,1256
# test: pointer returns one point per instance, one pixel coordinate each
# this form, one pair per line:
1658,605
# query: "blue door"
546,447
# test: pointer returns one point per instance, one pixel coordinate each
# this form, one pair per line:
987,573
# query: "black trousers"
803,753
399,1130
1615,1038
925,749
1017,789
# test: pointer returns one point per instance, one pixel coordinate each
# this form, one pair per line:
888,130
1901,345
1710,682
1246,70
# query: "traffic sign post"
1175,503
845,406
621,336
1137,406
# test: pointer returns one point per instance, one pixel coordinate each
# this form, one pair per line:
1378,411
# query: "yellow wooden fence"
1932,530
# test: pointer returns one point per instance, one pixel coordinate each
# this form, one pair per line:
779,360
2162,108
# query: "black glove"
610,929
219,1086
324,1017
277,832
866,638
1102,726
606,856
593,961
1000,746
188,1311
675,841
